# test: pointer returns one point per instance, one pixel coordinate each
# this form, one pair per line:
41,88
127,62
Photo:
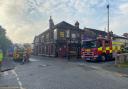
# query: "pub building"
62,39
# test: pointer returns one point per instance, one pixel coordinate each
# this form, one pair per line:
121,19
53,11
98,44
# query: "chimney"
51,23
77,24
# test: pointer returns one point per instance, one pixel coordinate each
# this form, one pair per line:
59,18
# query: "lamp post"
108,16
109,37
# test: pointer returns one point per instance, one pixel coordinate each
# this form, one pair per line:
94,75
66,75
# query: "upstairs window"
61,34
73,35
55,34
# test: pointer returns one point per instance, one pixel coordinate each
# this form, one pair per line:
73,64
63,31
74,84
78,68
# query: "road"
52,73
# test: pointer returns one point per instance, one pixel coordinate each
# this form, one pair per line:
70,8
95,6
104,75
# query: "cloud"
119,23
24,19
119,26
16,16
124,8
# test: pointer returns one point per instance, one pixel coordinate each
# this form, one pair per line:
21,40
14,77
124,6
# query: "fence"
121,58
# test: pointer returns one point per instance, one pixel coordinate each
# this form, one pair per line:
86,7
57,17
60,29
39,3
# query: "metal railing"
121,58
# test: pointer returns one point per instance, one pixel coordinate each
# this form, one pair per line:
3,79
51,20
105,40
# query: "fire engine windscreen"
89,44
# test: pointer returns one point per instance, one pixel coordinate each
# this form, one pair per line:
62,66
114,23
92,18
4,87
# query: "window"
89,44
78,35
61,34
107,43
47,36
68,33
99,43
73,35
42,38
55,34
37,40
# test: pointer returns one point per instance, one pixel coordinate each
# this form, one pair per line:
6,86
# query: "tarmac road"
52,73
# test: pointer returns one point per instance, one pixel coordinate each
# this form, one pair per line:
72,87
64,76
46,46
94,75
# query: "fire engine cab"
99,49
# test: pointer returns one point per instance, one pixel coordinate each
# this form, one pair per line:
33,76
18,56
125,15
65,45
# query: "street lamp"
108,20
107,1
108,16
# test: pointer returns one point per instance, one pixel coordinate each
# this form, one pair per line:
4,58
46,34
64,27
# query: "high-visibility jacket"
1,56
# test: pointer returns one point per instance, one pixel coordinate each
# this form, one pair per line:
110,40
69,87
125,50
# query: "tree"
5,42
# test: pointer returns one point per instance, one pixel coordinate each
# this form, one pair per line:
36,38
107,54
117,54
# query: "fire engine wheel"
103,58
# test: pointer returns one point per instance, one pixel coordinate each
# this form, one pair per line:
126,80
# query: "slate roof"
98,32
65,25
117,36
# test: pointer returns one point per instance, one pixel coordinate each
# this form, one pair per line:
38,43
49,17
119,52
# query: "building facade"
121,39
59,40
62,39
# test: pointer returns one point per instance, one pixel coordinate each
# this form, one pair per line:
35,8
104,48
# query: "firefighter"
114,54
26,56
1,58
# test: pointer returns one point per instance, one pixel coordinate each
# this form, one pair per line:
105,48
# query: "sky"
24,19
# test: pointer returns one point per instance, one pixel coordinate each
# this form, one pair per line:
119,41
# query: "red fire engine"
98,49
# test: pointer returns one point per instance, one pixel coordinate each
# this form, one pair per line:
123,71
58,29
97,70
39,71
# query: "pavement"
114,68
7,64
58,73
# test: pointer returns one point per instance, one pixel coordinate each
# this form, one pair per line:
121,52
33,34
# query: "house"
121,39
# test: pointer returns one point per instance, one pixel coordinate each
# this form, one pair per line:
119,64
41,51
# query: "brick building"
62,39
58,40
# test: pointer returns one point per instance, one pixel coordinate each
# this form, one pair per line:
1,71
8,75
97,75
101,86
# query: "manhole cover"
10,88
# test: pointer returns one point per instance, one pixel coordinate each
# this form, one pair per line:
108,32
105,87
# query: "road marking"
6,73
9,87
18,80
96,67
33,60
121,74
